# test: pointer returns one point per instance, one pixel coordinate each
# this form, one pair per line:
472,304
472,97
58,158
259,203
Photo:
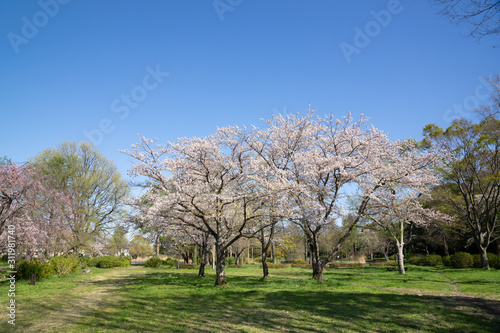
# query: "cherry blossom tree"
322,160
15,183
265,235
36,210
214,185
396,208
235,183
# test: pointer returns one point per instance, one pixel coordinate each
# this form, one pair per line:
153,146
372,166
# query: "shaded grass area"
167,300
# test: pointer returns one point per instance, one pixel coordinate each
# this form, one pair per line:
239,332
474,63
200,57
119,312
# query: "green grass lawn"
365,299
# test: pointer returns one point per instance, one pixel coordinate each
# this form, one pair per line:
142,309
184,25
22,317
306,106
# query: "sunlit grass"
167,300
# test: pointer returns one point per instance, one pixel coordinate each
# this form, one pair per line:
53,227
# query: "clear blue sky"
69,68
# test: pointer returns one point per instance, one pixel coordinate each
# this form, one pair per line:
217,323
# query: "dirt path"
458,292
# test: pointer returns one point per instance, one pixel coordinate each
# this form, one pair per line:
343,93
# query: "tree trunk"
220,269
484,258
201,270
400,245
401,262
265,269
213,257
203,255
445,243
179,259
157,243
273,253
195,255
264,247
317,265
305,250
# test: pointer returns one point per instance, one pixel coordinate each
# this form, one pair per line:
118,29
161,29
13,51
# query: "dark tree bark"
318,265
203,254
482,15
265,243
265,269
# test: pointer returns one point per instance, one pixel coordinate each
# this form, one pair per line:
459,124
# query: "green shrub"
447,261
153,262
430,260
125,259
64,265
476,261
187,266
108,262
243,260
494,260
92,262
84,261
302,265
5,258
462,260
300,262
231,261
415,260
384,263
343,264
25,268
170,262
275,266
260,259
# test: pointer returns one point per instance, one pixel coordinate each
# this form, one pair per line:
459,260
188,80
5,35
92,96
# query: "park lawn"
426,279
476,282
166,300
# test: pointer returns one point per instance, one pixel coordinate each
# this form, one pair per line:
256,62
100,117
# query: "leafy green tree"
118,240
92,182
140,247
471,181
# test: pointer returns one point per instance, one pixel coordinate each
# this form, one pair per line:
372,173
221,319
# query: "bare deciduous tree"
482,15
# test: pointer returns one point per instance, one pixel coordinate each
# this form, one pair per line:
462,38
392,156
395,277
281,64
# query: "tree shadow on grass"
170,302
